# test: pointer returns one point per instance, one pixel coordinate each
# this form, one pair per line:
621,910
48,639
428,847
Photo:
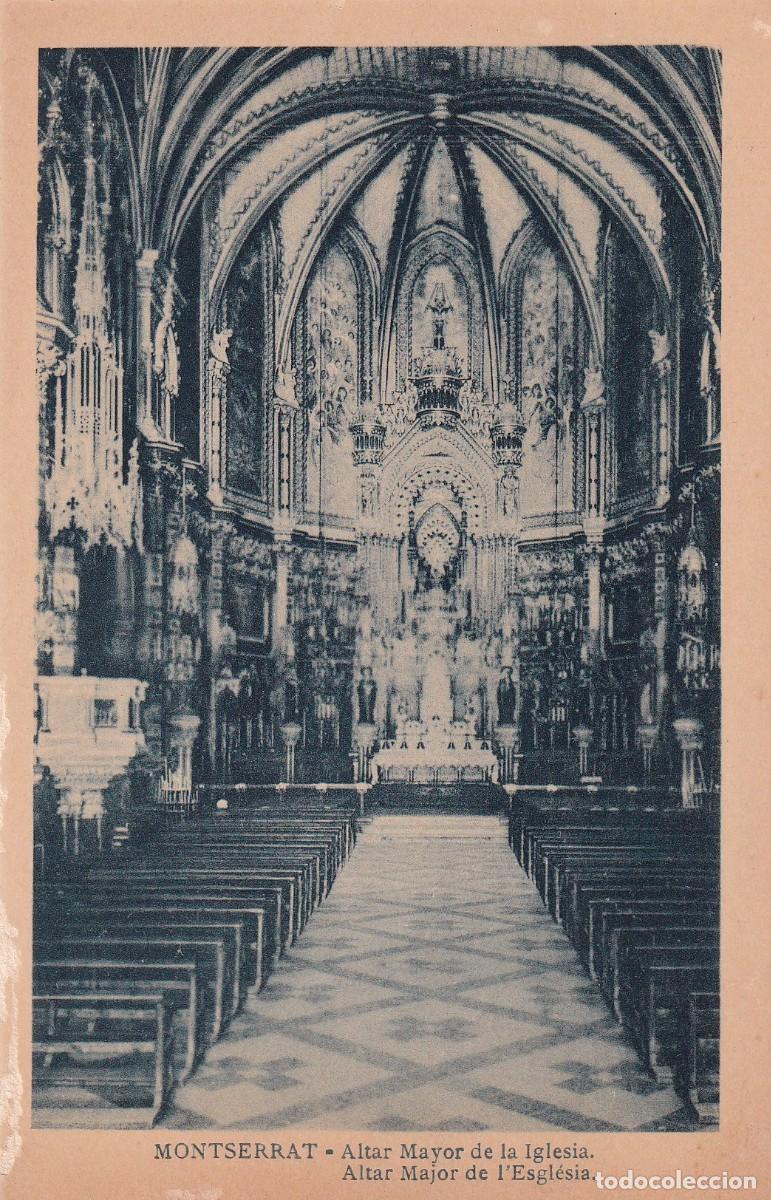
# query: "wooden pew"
207,953
672,914
279,889
654,1001
579,874
180,906
592,897
177,981
702,1065
627,942
570,870
184,882
101,925
97,1052
235,832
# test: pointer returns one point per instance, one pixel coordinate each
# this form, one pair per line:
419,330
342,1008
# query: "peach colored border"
95,1166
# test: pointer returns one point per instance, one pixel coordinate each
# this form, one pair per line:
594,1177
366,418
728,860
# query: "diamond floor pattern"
429,992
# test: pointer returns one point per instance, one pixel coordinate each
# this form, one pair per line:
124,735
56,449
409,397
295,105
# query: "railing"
217,793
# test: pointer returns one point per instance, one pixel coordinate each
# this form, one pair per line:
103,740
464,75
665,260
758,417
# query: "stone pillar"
290,732
647,732
364,736
66,600
593,409
283,547
594,591
661,612
215,627
583,737
284,416
216,411
51,364
146,263
183,730
690,738
507,737
661,372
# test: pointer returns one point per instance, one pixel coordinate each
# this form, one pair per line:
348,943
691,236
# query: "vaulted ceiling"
621,123
484,140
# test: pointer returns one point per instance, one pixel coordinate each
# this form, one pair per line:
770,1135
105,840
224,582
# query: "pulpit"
88,732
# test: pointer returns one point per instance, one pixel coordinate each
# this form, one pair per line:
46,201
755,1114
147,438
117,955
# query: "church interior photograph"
377,693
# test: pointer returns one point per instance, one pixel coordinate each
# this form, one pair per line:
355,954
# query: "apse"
417,350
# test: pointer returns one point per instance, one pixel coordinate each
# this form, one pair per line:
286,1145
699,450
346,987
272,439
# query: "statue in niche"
284,386
506,697
218,347
367,696
509,495
594,387
659,349
367,496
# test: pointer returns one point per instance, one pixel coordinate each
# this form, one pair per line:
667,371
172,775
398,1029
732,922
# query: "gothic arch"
440,244
450,457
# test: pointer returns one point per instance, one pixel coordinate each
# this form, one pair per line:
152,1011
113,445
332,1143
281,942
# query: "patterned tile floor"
429,992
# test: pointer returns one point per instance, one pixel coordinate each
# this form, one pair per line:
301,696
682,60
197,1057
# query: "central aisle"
431,991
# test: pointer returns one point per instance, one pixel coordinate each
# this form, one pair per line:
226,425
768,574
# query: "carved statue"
367,495
218,347
709,366
594,386
509,495
284,385
367,695
659,349
506,697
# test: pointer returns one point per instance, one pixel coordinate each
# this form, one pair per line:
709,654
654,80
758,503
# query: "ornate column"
583,738
661,614
216,411
283,548
507,737
709,366
368,432
183,730
65,589
364,735
146,263
216,626
285,408
690,738
661,371
291,731
593,408
51,364
506,433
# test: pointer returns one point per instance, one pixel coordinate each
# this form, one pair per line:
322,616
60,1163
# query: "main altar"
436,645
433,742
